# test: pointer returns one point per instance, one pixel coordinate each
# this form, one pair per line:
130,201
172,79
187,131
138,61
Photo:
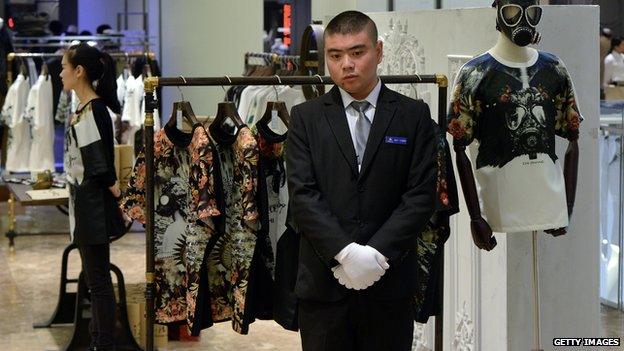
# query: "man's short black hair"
352,22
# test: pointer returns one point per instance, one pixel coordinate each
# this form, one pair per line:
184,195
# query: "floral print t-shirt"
513,111
184,204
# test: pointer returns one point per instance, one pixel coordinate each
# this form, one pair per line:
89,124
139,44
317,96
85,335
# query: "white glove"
360,266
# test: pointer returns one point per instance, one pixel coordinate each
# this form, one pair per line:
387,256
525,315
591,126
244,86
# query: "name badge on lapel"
395,140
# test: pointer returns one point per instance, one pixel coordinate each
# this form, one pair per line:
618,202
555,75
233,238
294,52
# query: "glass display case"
611,203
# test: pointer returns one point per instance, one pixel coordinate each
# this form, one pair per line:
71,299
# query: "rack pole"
150,105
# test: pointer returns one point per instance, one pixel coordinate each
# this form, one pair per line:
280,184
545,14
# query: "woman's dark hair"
100,69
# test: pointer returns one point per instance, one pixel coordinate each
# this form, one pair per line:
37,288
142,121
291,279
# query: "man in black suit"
361,175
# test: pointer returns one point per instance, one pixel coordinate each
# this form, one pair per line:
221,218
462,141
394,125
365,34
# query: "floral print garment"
230,260
184,205
515,111
431,240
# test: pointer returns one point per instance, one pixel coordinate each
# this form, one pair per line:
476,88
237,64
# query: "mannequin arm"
481,231
570,175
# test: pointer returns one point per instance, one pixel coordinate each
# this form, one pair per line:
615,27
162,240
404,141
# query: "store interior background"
210,38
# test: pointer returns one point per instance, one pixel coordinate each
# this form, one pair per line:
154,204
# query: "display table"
18,192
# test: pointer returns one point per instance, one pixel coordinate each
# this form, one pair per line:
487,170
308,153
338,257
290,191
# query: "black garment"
6,46
429,296
97,214
357,323
96,267
271,177
285,302
385,205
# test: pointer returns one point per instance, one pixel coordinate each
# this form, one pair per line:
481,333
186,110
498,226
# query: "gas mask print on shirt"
526,122
518,19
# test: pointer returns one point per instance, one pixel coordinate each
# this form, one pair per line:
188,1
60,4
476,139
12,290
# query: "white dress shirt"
352,114
614,68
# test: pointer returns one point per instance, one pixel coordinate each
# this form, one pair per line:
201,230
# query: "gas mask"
526,122
518,19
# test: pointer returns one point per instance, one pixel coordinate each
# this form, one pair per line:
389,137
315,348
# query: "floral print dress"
185,204
229,261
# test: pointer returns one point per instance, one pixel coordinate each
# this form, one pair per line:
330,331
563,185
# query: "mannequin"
533,111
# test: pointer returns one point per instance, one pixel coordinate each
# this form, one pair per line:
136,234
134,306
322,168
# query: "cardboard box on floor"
135,300
124,161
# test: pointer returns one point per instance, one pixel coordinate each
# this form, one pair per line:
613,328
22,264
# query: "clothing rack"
150,105
65,41
150,56
273,59
612,130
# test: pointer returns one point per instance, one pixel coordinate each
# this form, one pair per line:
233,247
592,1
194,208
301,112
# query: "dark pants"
356,323
96,267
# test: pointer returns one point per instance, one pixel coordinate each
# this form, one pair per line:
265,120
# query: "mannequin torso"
517,61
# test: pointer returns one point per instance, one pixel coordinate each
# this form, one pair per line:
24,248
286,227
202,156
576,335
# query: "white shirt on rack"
290,97
131,112
121,89
614,68
246,100
39,110
18,150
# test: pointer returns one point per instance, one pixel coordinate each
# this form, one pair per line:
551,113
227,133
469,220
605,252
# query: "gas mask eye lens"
515,118
533,15
511,14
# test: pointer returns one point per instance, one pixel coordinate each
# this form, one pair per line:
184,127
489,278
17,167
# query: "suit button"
361,224
360,189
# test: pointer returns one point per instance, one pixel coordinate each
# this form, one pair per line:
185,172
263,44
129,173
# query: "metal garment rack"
150,105
272,57
60,41
150,56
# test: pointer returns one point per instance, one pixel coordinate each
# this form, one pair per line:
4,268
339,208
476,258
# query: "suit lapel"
336,117
384,113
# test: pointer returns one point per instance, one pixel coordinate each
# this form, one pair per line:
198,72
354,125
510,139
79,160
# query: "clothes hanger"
225,111
275,109
185,109
23,68
45,71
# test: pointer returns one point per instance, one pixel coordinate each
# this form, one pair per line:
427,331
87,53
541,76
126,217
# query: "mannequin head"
518,19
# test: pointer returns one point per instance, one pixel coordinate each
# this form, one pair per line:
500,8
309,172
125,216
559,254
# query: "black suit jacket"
385,205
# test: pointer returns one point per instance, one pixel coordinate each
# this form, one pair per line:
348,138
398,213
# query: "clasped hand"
360,266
